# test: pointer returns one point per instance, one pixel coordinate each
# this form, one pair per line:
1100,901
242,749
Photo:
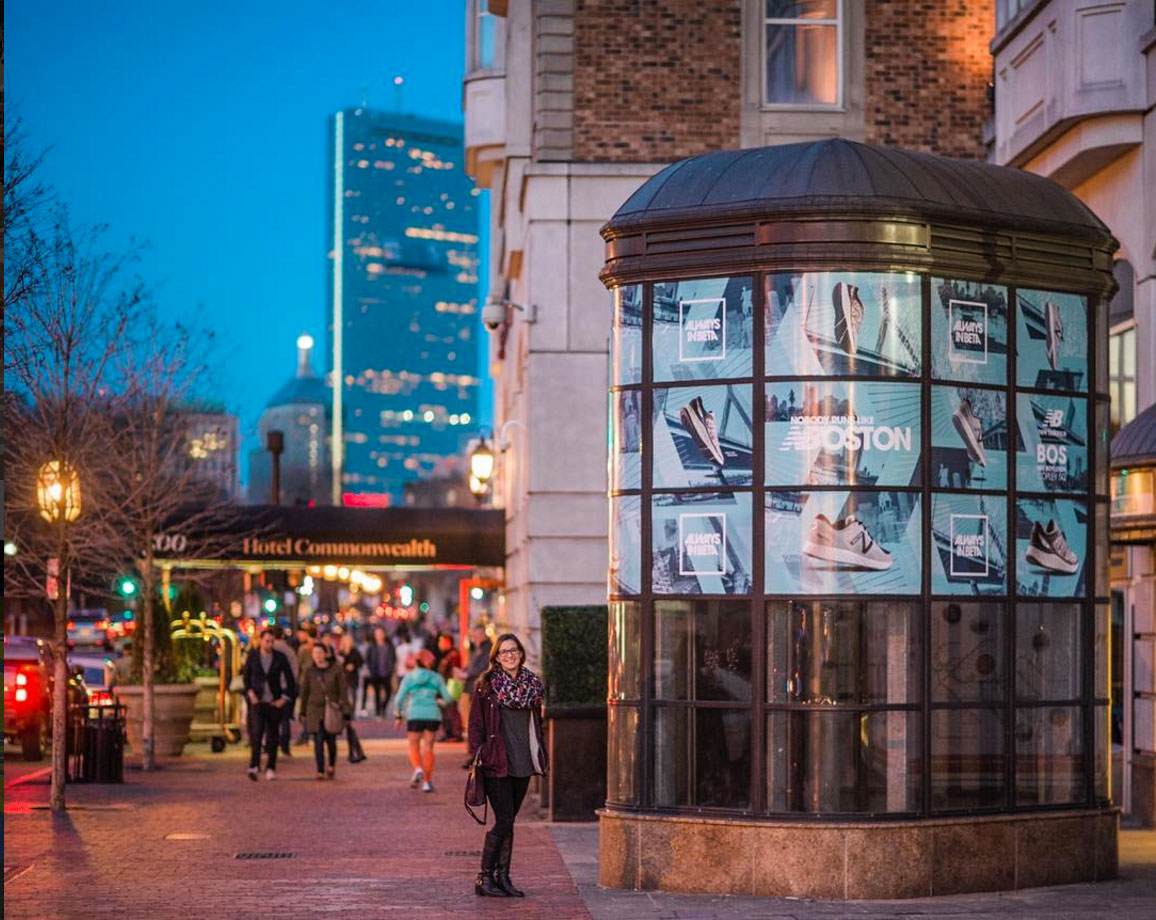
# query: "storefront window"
1048,651
702,757
625,652
702,650
1049,756
967,647
623,750
968,756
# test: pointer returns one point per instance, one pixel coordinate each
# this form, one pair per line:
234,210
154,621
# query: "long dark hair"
496,665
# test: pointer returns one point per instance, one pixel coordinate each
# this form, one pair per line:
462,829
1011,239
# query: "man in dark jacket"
381,659
269,686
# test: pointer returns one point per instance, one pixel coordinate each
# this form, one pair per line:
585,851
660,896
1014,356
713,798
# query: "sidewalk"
166,846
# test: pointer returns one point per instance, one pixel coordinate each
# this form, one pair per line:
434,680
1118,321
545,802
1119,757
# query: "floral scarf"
523,691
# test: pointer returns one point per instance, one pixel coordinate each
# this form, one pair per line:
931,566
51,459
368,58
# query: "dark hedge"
574,656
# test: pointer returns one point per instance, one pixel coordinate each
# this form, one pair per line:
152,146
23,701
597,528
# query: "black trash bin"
103,746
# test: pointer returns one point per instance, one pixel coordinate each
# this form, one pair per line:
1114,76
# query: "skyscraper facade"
403,237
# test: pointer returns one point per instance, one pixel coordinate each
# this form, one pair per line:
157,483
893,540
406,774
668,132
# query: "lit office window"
803,52
482,53
1122,376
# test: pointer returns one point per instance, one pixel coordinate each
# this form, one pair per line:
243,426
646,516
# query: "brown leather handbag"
476,790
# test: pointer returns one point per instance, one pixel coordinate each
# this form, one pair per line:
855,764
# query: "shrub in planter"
574,667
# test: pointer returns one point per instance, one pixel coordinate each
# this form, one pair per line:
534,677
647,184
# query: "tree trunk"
59,692
148,665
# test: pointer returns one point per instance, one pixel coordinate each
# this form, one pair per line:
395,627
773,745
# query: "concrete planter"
174,714
576,739
205,708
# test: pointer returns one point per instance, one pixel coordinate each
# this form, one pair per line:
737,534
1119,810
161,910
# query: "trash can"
103,744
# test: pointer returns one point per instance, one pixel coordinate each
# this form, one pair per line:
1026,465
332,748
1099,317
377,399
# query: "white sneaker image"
1048,548
702,427
846,543
970,430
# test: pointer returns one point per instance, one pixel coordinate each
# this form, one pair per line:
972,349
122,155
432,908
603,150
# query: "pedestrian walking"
284,730
382,661
417,702
405,649
307,638
506,737
449,664
269,684
322,687
480,647
350,661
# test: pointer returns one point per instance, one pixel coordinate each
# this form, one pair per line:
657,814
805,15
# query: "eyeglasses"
508,651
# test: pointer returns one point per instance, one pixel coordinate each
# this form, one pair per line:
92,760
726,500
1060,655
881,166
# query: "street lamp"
58,492
481,469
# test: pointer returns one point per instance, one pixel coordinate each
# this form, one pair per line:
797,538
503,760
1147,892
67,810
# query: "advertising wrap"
626,545
626,344
702,544
969,441
969,331
1052,341
843,543
969,544
626,444
843,433
1052,450
1051,547
844,323
703,329
702,436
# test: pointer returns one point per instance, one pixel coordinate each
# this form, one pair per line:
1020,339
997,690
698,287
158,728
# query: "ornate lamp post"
58,497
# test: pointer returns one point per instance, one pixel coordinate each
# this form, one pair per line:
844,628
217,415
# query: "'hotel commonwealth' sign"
353,536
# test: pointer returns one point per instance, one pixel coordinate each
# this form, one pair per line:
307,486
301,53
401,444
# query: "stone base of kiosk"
856,860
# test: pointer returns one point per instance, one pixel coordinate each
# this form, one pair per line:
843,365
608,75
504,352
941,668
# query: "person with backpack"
417,702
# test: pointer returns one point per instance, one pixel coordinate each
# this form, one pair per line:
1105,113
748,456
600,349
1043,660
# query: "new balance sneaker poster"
969,331
1052,341
626,449
969,544
626,545
843,543
843,433
703,329
702,436
1052,450
969,438
1051,545
701,544
833,323
626,343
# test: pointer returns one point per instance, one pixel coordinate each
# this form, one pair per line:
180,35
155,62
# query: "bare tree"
63,329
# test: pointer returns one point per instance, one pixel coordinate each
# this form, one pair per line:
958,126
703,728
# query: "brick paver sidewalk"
364,845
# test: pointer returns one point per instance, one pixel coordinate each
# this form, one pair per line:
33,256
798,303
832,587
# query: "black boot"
485,886
502,870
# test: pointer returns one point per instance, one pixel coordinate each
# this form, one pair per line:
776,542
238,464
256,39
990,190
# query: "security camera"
493,314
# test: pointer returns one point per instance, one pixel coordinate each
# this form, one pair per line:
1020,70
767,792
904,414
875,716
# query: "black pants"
505,794
382,691
264,725
322,740
284,731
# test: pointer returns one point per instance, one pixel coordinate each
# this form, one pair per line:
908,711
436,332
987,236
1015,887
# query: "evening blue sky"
201,128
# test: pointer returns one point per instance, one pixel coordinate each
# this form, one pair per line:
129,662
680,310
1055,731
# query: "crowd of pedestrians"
325,680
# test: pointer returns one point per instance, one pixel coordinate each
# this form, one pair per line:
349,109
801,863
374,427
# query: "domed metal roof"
1135,443
838,176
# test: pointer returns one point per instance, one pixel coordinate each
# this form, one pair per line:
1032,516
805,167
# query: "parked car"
28,694
28,683
89,627
94,671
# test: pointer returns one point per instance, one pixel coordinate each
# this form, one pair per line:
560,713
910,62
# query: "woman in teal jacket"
417,701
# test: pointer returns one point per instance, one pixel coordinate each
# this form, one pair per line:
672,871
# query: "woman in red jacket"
506,736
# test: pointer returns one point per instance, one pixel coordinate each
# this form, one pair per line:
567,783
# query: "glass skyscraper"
403,253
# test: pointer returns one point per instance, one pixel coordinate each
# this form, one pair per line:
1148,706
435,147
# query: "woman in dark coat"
323,681
351,661
506,737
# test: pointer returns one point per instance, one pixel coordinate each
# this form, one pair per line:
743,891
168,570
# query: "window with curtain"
803,45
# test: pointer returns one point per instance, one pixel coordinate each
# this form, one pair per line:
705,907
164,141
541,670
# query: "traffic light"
404,594
126,586
270,605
